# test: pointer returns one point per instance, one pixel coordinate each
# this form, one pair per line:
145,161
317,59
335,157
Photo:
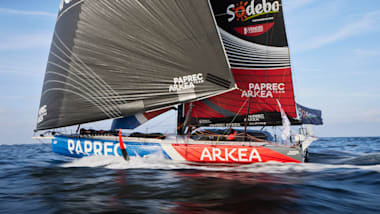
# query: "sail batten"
110,59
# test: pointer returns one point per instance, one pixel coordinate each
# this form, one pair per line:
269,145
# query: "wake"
159,162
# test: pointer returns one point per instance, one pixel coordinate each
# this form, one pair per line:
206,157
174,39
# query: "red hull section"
230,154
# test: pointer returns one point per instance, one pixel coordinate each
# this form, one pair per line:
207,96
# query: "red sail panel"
134,121
265,87
254,38
153,114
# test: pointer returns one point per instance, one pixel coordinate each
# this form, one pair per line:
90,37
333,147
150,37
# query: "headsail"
112,58
254,37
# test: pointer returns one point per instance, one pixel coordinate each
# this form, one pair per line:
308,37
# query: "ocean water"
343,176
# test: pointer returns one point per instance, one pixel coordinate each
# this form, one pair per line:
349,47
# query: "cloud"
23,42
26,69
367,23
27,13
367,52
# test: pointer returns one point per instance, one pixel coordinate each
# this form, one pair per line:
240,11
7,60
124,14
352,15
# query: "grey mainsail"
112,58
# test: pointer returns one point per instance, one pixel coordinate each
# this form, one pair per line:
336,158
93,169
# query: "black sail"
112,58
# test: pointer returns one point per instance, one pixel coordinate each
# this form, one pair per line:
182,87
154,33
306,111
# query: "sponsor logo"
246,10
254,30
63,3
230,154
223,124
263,90
186,82
250,11
256,117
93,147
42,113
203,121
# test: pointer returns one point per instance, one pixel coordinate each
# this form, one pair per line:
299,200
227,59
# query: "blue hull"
80,147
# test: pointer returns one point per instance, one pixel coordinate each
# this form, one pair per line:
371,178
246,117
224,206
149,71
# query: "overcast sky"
334,47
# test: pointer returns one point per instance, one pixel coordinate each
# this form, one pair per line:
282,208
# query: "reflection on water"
236,193
188,191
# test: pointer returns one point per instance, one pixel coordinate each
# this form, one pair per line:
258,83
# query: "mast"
187,119
246,120
180,119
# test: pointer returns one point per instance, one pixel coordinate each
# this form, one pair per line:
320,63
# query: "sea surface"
343,176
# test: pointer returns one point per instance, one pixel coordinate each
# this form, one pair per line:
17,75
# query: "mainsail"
255,40
110,59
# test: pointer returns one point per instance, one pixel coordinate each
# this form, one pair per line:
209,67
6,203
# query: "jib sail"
254,37
110,59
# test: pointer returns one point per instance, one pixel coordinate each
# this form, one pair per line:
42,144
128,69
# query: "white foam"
157,161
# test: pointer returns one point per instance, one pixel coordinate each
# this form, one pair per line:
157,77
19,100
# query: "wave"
159,162
366,159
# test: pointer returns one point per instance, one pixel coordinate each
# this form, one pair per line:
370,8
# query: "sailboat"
218,63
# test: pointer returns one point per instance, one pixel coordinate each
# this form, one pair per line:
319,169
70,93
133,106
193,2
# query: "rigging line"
98,104
81,68
106,86
246,119
73,92
102,103
94,92
236,115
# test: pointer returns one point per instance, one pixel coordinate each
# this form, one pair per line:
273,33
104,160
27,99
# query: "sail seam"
90,71
101,106
83,82
63,68
96,92
70,91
